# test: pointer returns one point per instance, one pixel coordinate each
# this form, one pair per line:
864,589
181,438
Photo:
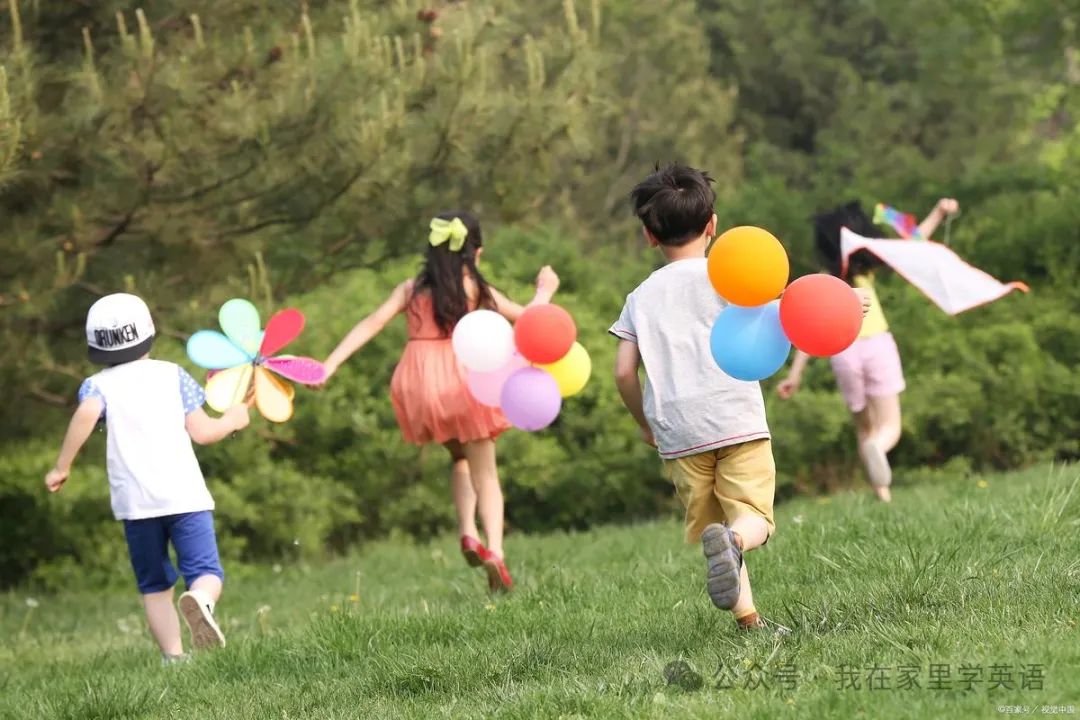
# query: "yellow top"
874,323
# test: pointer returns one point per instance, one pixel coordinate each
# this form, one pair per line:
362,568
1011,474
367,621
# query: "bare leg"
873,455
489,498
745,603
752,530
209,587
864,424
461,487
163,620
887,420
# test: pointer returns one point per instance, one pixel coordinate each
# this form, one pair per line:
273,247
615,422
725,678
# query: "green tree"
198,151
10,132
212,157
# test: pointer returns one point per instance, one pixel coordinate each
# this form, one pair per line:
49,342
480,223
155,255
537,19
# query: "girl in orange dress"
431,399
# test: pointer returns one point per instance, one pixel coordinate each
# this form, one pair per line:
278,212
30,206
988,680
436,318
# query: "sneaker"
877,465
167,660
199,616
724,560
754,622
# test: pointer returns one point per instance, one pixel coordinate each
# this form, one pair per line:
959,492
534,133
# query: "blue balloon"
748,343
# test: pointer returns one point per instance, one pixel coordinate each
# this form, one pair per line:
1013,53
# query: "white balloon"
483,341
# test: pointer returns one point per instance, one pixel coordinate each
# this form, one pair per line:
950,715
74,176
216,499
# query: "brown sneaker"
724,559
199,617
754,622
749,622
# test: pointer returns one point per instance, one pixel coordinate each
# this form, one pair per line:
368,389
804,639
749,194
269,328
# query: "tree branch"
207,189
62,370
48,398
303,219
116,230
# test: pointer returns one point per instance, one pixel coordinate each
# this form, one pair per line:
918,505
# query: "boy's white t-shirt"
152,466
691,404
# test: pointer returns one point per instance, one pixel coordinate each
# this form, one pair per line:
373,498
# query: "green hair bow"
453,231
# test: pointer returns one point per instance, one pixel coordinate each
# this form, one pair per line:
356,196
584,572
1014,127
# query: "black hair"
674,203
827,227
443,275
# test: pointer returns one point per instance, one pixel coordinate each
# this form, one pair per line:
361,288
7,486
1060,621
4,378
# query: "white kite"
938,272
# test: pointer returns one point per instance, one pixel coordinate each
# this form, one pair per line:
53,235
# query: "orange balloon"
748,266
821,315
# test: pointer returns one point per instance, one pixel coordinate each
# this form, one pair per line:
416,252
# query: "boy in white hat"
152,411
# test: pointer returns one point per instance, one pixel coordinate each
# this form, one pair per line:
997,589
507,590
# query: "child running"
153,410
868,373
429,393
709,428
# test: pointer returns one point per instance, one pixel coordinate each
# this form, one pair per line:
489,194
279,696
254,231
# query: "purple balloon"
487,387
531,399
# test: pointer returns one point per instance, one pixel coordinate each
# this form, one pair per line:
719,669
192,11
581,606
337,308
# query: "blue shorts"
193,539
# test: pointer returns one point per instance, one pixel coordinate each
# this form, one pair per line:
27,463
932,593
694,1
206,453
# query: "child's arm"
205,430
78,432
944,208
369,327
790,385
627,380
547,282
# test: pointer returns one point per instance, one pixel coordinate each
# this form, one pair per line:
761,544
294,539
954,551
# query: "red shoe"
474,551
499,579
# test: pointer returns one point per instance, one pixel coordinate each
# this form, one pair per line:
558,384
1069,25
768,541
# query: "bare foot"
883,494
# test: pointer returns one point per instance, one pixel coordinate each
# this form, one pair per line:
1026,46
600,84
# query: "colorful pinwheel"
241,359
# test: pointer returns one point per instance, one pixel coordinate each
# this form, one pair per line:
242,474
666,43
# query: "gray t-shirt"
691,404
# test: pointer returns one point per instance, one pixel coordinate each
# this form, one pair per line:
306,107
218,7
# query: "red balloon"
544,334
821,315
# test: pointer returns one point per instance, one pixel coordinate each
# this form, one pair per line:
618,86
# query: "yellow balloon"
572,372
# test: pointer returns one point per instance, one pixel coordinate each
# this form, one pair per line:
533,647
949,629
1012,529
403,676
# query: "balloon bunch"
527,369
752,337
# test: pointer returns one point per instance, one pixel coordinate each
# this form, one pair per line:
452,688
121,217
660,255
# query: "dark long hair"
443,275
827,240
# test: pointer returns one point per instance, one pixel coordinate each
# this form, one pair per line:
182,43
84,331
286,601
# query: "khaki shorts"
721,485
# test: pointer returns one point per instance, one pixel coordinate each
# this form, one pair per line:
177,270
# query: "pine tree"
10,132
239,149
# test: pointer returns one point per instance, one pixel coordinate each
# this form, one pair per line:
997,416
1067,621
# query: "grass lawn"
976,577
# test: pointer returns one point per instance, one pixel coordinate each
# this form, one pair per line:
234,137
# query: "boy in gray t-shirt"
709,428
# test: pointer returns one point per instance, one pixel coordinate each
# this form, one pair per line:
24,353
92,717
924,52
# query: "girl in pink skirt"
868,373
431,399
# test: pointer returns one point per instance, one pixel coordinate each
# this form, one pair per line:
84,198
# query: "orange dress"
429,392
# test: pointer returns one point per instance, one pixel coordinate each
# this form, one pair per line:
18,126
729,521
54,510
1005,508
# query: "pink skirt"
432,401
